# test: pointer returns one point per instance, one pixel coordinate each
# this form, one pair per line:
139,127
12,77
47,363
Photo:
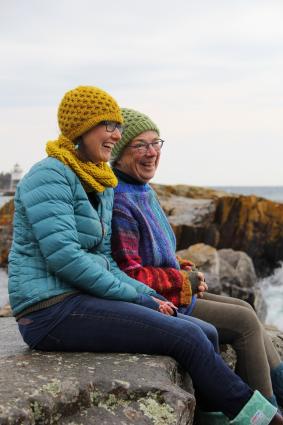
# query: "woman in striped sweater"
143,244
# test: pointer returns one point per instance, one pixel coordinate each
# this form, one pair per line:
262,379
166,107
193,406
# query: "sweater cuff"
186,289
160,297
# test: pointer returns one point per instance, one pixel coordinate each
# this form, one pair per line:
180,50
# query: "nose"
116,134
151,151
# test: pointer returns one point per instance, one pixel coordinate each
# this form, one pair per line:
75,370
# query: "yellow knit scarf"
92,176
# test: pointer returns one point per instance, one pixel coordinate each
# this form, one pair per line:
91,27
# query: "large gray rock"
207,260
228,272
88,388
94,389
238,279
240,266
191,219
185,210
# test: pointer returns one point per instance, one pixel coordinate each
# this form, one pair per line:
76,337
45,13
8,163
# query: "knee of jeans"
212,335
196,336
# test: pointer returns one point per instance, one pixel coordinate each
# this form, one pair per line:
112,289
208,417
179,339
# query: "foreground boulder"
88,388
94,389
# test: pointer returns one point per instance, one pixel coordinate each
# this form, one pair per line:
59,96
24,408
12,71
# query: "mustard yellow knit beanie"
135,123
84,107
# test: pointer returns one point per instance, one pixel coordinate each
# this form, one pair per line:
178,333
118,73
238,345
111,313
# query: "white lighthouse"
16,175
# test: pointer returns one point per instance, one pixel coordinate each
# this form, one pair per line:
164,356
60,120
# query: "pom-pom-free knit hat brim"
135,123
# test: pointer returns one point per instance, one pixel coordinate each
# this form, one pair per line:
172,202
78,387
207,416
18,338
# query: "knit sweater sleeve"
173,284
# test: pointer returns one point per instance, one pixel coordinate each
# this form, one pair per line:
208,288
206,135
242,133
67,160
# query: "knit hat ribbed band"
135,123
84,107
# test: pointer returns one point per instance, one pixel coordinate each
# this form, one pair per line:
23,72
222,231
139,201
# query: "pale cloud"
209,73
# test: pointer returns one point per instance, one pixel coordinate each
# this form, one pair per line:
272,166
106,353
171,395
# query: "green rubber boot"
257,411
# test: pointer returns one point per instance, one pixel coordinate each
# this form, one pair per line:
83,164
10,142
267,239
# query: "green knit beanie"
135,123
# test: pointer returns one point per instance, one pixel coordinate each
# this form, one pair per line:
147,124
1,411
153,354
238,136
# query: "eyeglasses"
143,147
112,125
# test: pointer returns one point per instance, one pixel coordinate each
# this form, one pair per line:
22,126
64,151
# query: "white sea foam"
272,287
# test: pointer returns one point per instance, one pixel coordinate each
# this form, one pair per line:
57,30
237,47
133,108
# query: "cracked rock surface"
89,388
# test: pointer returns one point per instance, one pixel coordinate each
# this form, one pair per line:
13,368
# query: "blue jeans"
209,329
101,325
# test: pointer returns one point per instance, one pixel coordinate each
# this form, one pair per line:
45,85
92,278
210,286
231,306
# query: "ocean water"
273,193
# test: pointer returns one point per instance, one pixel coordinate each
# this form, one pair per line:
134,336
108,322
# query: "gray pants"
238,325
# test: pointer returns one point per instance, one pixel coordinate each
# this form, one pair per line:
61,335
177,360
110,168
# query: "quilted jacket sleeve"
47,196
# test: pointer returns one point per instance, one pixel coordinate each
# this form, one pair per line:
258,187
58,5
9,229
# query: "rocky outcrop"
194,192
253,225
6,227
244,223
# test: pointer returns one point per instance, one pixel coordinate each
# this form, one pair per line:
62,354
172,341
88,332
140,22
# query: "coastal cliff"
6,231
243,223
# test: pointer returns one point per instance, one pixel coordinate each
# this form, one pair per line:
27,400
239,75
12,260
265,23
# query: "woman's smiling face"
96,144
140,164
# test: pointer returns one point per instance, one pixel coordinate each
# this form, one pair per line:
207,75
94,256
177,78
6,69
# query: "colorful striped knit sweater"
143,243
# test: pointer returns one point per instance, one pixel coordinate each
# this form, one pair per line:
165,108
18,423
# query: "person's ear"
78,142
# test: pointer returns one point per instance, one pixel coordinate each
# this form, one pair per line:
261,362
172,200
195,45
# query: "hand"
187,267
202,287
165,307
186,264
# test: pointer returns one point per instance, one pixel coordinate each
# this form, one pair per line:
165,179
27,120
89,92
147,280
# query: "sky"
209,74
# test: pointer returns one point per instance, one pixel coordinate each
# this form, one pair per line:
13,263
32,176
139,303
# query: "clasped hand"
202,287
166,307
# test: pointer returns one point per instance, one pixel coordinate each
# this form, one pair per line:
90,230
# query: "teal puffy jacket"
61,243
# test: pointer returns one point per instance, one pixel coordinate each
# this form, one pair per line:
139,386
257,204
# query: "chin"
145,179
105,158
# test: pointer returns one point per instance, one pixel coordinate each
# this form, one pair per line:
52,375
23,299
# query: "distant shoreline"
273,193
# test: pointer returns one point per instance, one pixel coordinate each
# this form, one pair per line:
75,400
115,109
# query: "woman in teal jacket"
66,291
